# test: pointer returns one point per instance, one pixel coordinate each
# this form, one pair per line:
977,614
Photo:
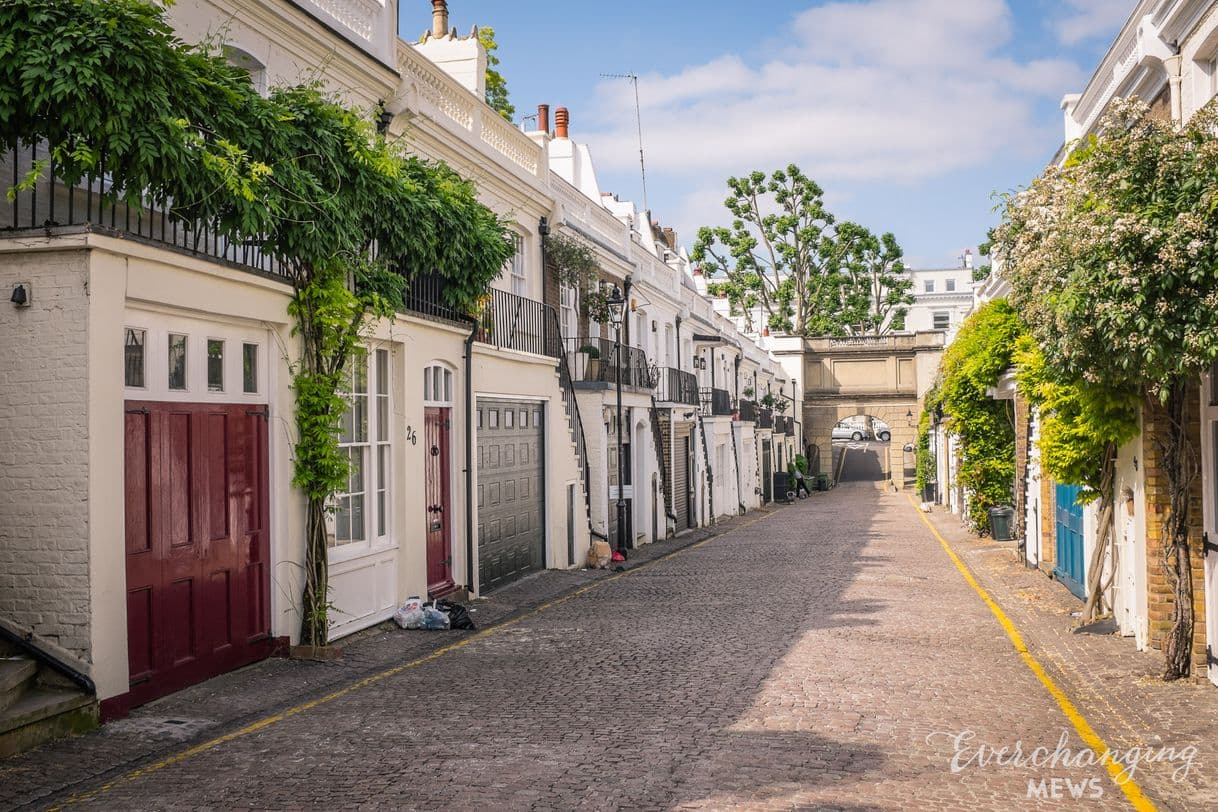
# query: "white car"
847,430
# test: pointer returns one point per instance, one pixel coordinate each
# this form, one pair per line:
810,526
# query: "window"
133,358
509,417
951,285
566,310
249,368
215,365
362,511
177,362
930,285
943,320
437,386
520,282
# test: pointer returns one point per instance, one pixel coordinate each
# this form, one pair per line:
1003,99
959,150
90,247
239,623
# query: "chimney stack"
562,123
543,118
439,18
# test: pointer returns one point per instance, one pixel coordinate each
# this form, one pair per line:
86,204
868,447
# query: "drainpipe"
469,455
678,343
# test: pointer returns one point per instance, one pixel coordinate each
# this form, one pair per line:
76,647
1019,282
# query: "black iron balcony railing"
678,386
716,402
765,418
425,297
747,410
782,424
511,322
594,360
89,205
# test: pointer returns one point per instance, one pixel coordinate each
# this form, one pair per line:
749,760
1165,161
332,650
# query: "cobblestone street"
823,655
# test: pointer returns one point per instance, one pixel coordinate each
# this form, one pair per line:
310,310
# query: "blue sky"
910,113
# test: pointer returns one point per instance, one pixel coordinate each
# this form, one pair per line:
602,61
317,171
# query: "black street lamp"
617,306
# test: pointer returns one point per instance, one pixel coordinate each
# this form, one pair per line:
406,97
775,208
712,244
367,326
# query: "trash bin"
822,482
1001,520
782,486
928,491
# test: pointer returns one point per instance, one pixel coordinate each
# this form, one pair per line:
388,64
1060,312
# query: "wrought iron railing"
716,402
91,205
678,386
765,418
572,407
664,463
425,297
782,424
595,360
747,411
511,322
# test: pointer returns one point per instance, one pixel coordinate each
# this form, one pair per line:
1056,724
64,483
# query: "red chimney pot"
543,118
562,123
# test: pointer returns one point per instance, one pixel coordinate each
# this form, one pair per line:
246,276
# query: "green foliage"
496,85
575,265
787,254
110,89
1079,421
1119,249
985,427
926,472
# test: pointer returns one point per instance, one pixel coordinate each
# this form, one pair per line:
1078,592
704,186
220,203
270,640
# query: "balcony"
677,386
765,418
747,410
510,322
716,402
51,206
782,424
592,360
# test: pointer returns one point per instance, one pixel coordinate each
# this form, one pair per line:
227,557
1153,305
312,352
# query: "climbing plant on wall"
1113,263
350,218
984,427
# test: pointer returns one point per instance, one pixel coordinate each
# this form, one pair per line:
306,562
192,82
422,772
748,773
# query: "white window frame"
947,319
375,445
144,360
518,273
950,285
928,286
207,364
568,314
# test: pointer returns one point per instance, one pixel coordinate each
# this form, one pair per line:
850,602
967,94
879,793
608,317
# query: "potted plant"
767,400
589,365
747,392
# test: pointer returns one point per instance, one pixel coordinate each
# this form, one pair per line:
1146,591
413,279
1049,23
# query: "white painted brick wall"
44,560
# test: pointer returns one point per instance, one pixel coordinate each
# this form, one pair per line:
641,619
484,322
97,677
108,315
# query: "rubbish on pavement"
599,555
410,614
458,615
434,620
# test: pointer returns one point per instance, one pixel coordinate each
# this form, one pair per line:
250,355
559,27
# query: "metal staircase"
710,474
658,440
571,405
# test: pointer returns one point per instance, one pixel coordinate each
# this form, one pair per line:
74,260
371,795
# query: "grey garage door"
511,488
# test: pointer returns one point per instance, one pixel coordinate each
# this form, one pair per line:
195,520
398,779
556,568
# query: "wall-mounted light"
543,226
21,294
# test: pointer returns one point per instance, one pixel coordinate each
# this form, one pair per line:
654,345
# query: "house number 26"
412,436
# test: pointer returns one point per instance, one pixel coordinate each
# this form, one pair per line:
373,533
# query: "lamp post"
617,306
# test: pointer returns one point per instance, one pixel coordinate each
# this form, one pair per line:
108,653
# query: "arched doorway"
437,407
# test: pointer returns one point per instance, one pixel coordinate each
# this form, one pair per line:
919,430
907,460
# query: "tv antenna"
633,78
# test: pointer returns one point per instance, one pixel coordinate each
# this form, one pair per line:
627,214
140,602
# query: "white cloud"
878,90
1088,19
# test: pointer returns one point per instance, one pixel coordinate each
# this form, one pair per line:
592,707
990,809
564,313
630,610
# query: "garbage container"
822,482
1001,520
782,485
928,491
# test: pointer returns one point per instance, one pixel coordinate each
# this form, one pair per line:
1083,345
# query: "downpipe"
469,456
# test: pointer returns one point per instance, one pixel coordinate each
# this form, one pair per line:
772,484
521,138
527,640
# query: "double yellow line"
296,710
1127,785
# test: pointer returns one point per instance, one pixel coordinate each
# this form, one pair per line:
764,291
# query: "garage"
511,488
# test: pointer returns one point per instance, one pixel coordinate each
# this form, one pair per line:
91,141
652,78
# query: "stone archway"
884,377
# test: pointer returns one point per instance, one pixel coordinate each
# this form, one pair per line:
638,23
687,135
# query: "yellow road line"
296,710
1127,785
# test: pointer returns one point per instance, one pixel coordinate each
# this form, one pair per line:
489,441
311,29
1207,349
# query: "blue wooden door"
1069,566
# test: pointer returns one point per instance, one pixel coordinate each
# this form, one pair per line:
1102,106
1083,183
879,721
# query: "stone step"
41,714
16,673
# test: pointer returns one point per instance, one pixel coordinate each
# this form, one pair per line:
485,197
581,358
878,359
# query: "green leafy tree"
876,292
110,90
1113,263
785,254
496,85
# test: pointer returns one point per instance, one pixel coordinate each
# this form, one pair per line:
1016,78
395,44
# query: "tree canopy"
786,254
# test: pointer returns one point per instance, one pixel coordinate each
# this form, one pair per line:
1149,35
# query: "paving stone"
823,655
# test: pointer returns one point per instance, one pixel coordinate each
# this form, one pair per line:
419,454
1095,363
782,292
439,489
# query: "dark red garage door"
197,543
